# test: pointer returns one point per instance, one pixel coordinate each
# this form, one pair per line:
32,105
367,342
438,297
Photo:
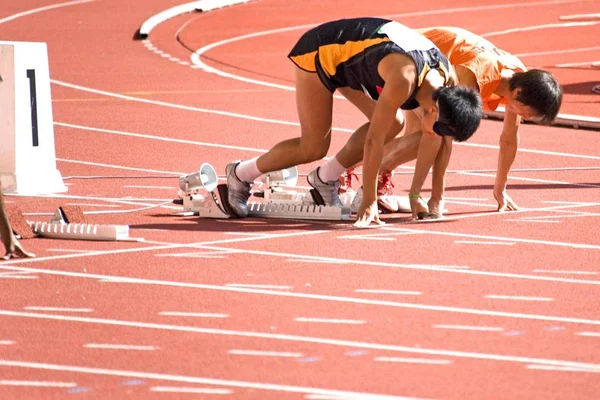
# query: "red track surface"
449,272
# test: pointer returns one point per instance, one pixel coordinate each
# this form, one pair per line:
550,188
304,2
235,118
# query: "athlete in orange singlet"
500,78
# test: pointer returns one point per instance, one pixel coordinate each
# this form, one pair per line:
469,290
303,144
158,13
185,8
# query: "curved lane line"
201,5
42,9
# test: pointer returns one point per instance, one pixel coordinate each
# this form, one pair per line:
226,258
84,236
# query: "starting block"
276,202
57,230
67,223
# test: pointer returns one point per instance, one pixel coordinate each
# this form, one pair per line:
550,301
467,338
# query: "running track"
480,306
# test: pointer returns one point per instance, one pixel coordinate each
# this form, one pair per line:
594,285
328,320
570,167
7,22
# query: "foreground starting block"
276,202
67,223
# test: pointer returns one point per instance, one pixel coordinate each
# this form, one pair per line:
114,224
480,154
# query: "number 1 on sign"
33,103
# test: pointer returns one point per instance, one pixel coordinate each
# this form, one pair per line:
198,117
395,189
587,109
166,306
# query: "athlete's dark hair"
459,112
539,90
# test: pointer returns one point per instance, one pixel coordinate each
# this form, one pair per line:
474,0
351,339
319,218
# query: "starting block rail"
56,230
298,211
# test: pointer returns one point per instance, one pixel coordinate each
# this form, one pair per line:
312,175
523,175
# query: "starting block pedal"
18,223
69,215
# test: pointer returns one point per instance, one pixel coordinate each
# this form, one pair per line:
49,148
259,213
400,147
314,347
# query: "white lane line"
523,298
41,9
496,238
253,286
465,198
470,328
300,339
330,321
314,261
565,272
591,334
575,17
473,204
326,397
92,205
199,64
58,309
541,221
38,383
199,380
385,291
367,237
69,251
575,214
148,187
191,255
6,342
264,353
281,122
563,51
14,273
374,235
538,27
17,275
413,360
245,234
173,389
554,368
193,314
343,299
109,346
482,242
576,64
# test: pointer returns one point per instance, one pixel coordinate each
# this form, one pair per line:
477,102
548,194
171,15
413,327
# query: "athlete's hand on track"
505,203
15,250
368,213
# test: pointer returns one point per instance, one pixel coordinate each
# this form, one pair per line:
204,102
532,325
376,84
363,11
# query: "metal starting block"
69,223
276,202
57,230
280,204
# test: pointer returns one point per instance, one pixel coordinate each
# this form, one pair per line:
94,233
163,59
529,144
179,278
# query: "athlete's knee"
314,152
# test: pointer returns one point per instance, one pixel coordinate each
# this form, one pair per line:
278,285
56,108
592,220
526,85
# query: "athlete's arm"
428,150
509,143
438,177
399,73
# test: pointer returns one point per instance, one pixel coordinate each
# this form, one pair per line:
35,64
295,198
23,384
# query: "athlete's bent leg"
315,105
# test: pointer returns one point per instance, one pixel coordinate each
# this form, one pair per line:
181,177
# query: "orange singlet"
477,54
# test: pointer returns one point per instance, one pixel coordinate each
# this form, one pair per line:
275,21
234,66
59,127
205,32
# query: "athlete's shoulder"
406,38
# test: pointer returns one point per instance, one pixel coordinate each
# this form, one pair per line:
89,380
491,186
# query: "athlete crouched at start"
380,66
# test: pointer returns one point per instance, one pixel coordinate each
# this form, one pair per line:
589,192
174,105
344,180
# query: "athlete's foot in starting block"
238,192
324,193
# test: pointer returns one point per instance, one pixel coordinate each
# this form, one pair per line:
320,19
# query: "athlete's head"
535,95
459,112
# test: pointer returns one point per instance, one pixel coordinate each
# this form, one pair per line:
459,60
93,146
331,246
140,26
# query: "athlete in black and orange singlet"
346,53
379,66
